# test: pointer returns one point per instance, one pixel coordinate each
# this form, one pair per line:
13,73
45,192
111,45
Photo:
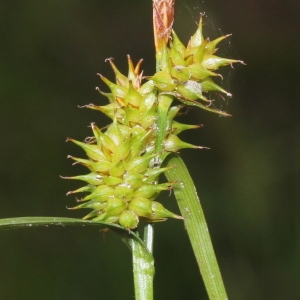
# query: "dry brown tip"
163,18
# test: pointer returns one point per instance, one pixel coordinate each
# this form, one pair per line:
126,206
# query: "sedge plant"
125,160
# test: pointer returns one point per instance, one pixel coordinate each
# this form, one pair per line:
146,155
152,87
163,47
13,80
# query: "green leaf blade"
196,226
31,222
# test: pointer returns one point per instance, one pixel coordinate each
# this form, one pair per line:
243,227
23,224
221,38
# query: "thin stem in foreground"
143,270
143,265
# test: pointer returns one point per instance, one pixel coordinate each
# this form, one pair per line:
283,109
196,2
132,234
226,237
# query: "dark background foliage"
248,182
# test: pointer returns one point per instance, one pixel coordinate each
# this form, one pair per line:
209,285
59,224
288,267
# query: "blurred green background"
248,182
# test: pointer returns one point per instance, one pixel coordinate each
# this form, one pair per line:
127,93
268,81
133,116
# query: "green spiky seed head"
187,71
123,158
124,167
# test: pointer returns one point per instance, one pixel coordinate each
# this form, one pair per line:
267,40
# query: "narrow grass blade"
196,226
32,222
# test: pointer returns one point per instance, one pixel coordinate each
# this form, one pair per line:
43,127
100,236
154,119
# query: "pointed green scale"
110,110
189,55
107,153
133,180
124,191
210,47
195,53
179,127
197,38
101,166
128,219
139,141
133,116
109,140
106,218
122,151
96,131
96,205
180,73
151,190
109,96
140,164
199,54
176,57
173,112
142,207
120,78
112,181
189,60
199,72
209,85
212,62
101,193
147,88
93,214
152,174
125,130
106,141
148,102
138,132
149,117
85,162
131,70
84,189
117,90
114,132
133,97
161,212
177,45
117,168
91,178
92,151
164,61
174,144
115,206
163,81
191,90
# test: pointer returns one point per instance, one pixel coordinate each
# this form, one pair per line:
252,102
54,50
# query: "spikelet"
122,185
186,72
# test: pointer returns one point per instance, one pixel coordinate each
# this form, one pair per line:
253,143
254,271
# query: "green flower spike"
122,186
187,72
124,158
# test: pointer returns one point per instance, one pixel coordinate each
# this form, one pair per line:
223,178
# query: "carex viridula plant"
124,158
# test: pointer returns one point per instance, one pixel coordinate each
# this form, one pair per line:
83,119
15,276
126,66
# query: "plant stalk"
143,270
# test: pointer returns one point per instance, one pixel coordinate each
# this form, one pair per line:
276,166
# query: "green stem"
196,226
143,270
143,266
149,237
164,103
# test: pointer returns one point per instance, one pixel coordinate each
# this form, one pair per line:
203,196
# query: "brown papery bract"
163,18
